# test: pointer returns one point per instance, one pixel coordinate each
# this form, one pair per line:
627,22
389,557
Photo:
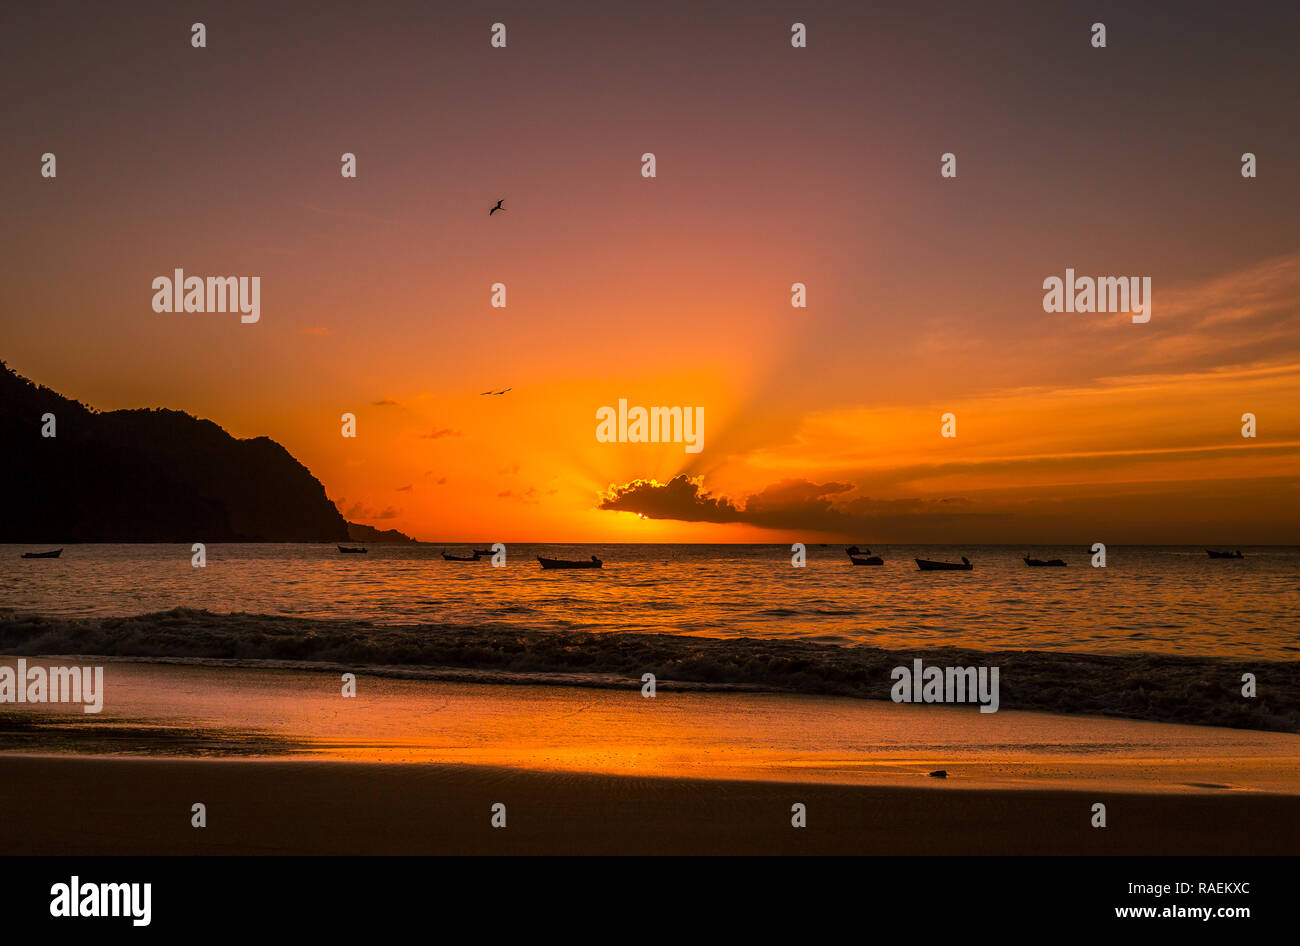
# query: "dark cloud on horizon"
789,504
681,498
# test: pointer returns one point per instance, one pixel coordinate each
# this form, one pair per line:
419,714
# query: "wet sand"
285,764
196,711
83,806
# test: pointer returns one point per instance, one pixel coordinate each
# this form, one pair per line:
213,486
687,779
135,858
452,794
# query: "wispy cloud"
360,512
349,214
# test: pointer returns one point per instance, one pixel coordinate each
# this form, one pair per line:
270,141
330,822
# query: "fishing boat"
928,566
55,554
569,563
863,556
460,558
1040,563
350,550
1216,554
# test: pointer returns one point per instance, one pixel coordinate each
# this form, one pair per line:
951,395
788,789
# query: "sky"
774,165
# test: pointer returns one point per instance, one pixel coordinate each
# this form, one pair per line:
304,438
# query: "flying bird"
481,393
497,207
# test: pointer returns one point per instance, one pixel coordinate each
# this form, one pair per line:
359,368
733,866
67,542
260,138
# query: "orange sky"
775,165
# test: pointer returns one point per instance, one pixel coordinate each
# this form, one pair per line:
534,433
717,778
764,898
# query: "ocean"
1160,600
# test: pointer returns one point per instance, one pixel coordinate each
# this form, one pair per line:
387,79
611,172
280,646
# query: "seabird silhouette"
497,207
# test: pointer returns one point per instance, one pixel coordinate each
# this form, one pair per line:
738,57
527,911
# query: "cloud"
439,433
1247,316
360,512
386,402
348,214
791,504
682,498
528,496
404,489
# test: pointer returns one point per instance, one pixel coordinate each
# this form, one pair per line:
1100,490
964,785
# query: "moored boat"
569,563
460,558
862,556
55,554
1041,563
928,566
350,550
1216,554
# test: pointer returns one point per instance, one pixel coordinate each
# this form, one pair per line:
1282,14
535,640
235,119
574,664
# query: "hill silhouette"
363,533
148,475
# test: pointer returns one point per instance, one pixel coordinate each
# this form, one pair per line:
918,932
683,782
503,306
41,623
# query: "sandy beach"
142,806
285,764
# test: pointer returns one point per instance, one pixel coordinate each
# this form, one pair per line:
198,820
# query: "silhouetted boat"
460,558
351,550
569,563
863,556
1049,563
927,566
483,552
55,554
1214,554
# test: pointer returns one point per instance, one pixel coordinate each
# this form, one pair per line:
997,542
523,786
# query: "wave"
1157,687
